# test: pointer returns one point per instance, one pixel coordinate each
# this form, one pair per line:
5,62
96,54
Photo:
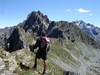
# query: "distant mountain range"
36,22
89,29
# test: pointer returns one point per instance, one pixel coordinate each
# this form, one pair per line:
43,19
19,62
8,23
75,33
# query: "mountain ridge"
36,22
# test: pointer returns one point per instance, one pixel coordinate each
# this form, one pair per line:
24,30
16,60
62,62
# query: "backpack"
45,41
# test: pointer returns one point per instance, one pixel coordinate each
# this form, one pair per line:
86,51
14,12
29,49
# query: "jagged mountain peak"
36,22
80,23
38,14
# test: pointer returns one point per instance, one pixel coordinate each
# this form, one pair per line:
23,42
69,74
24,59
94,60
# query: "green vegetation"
58,50
26,37
27,59
2,54
80,35
61,49
86,58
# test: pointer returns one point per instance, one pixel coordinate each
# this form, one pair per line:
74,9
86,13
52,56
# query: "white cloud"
68,10
81,10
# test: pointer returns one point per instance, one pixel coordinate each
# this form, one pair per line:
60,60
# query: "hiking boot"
44,73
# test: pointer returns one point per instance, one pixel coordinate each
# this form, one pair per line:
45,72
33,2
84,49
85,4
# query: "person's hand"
31,47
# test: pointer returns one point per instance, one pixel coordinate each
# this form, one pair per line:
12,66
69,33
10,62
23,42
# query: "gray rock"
3,70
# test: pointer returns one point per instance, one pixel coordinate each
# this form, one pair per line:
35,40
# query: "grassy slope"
75,56
64,55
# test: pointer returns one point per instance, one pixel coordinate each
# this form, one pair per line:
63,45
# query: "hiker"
43,43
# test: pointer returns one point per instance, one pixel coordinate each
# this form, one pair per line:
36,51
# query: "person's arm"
48,48
36,44
32,47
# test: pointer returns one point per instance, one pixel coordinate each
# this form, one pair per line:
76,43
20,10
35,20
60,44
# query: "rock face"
4,35
18,40
15,42
36,22
61,29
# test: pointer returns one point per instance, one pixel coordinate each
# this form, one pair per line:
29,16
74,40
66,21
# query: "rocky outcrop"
60,29
3,70
36,22
63,29
4,35
14,42
19,39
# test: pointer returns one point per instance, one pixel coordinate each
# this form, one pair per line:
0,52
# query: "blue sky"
13,12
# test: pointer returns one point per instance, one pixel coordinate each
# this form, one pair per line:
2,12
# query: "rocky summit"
72,52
